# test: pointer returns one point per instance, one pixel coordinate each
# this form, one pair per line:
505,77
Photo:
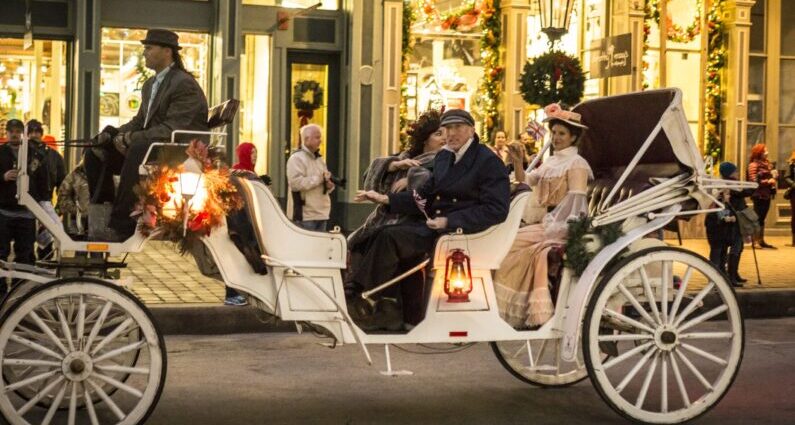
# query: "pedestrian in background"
790,193
761,171
309,182
56,171
723,231
73,200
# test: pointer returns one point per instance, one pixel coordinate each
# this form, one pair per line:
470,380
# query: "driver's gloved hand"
104,141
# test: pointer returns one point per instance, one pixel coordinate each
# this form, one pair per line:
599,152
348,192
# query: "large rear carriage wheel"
79,350
671,323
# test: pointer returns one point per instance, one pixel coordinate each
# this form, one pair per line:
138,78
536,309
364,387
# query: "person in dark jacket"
468,190
723,231
17,224
56,171
171,100
790,193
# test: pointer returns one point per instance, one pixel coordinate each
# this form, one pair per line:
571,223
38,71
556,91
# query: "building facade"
343,66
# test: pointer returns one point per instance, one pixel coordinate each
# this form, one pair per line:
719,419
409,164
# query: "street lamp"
555,16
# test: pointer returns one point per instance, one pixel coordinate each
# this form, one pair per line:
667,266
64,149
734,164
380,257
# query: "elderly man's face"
311,139
458,135
14,135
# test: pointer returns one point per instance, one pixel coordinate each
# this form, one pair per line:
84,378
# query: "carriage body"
648,172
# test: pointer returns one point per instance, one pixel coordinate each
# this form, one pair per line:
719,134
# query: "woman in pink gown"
560,185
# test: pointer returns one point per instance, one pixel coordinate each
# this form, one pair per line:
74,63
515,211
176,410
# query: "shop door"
314,98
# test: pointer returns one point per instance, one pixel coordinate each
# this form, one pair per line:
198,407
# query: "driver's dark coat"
473,194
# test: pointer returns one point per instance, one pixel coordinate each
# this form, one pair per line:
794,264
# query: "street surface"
290,379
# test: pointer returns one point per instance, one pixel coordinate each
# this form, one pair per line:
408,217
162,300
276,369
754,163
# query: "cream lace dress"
521,283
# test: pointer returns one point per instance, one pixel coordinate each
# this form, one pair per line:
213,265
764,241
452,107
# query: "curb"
211,319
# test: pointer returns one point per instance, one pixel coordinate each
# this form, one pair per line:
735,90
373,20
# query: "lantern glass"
555,17
458,277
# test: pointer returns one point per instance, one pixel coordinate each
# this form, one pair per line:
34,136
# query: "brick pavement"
161,276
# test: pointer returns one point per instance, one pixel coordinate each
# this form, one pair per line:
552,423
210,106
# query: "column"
391,75
627,17
85,89
514,18
737,15
225,75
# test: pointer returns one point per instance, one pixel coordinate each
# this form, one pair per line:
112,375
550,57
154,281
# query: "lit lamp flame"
457,277
191,189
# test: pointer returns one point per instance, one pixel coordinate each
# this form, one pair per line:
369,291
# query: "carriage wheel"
538,362
675,332
80,361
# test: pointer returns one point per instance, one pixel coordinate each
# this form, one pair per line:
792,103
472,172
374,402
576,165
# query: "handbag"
788,194
748,222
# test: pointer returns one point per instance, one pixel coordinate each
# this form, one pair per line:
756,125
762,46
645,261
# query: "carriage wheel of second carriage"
538,362
676,334
78,360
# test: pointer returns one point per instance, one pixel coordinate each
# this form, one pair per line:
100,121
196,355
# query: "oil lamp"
457,277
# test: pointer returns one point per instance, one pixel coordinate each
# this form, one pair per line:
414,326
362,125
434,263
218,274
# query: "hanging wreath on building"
162,207
675,32
307,98
552,77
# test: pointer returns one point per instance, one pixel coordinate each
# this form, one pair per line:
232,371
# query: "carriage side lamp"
457,277
191,184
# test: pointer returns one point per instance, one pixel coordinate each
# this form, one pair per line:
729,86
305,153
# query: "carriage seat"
638,181
279,238
486,249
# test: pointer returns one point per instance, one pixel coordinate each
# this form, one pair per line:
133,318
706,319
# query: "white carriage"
657,329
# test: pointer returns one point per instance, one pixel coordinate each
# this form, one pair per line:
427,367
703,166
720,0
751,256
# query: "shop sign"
611,57
28,39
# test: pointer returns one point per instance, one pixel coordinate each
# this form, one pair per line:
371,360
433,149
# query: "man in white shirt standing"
309,182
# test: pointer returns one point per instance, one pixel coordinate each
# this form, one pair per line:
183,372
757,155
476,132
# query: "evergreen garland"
580,233
493,72
552,77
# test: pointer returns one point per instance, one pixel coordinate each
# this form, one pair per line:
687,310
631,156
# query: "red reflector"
458,333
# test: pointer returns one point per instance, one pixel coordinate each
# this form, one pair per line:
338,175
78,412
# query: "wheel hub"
666,338
77,366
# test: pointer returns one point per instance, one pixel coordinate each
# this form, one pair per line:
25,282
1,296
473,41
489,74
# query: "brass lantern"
457,277
555,17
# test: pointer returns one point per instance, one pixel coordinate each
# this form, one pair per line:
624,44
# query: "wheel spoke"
693,304
695,371
649,293
616,360
541,351
98,324
104,396
627,320
664,384
30,362
73,405
119,351
40,395
47,331
92,414
679,382
704,354
666,277
118,384
635,303
645,388
707,335
31,380
634,371
65,328
55,404
530,354
113,335
123,369
624,337
37,347
704,317
680,294
522,347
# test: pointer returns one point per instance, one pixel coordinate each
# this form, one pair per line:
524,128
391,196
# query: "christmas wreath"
307,97
552,77
162,207
584,242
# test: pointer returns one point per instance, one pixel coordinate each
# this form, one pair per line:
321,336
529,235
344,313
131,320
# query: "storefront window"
300,4
123,72
255,95
33,84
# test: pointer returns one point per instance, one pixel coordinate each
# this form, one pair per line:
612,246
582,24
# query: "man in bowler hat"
468,190
171,100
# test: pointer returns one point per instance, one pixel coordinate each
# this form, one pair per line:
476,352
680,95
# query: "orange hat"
49,140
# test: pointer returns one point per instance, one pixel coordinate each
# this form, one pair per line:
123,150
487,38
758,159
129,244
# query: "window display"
123,71
255,95
33,84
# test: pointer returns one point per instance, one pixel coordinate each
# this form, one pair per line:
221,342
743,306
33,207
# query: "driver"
172,100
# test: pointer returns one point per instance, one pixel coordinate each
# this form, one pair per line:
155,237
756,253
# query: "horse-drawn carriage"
657,329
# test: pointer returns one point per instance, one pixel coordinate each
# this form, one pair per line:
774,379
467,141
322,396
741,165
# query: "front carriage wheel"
538,362
671,323
67,344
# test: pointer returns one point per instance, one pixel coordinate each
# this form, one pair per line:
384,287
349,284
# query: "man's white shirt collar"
462,151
